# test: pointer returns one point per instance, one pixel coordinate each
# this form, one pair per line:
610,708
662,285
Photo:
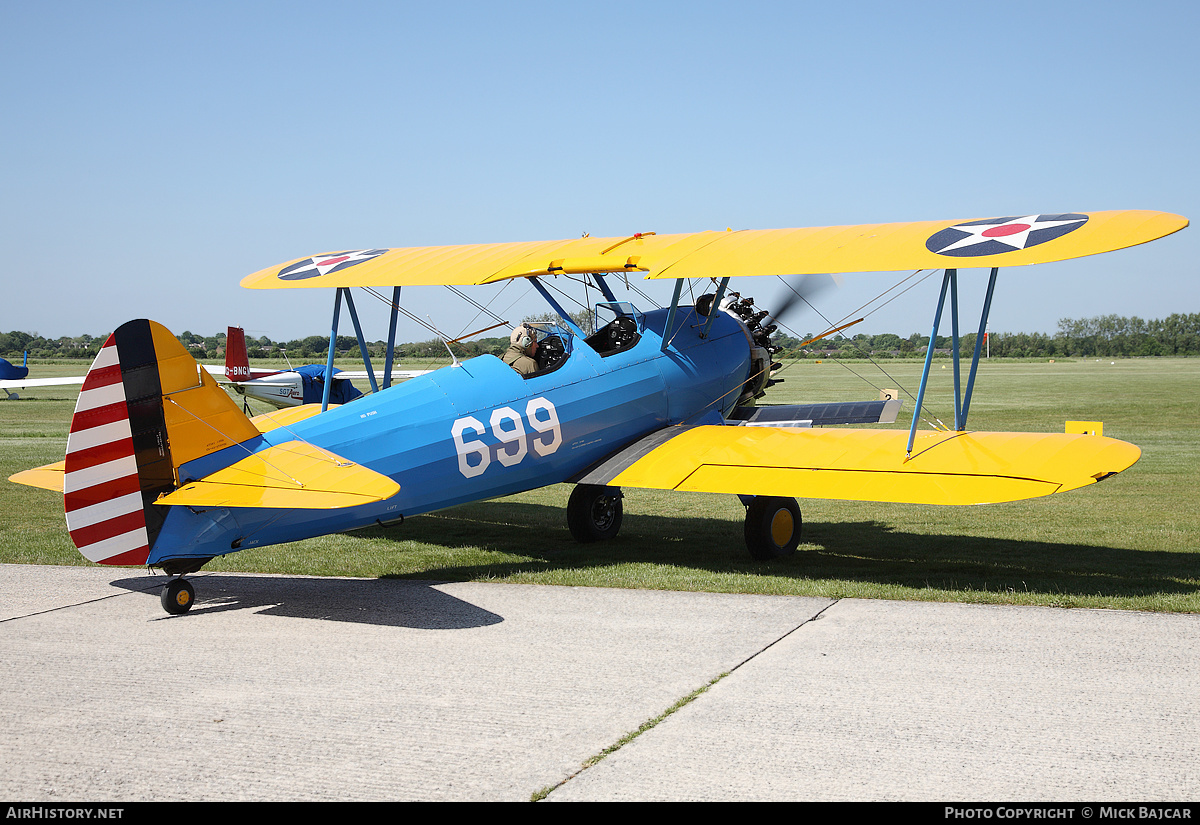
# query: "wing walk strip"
604,472
101,491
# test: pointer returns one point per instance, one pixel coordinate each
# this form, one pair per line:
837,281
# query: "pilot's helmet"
522,337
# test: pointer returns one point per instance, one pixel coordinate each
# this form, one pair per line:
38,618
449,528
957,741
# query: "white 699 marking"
508,427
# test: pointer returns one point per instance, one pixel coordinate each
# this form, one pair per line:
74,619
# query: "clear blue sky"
154,153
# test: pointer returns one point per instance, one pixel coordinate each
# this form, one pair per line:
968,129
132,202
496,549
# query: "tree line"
1103,336
314,347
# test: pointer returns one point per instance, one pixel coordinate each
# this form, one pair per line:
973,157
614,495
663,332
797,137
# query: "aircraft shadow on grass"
865,551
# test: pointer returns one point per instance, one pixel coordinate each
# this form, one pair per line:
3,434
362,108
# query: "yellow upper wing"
1010,241
870,465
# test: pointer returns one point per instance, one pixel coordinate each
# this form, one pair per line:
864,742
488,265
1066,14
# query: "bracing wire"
936,423
248,451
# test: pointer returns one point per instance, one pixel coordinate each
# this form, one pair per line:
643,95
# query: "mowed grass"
1131,542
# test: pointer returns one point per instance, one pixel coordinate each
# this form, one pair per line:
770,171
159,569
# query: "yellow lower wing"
294,475
870,465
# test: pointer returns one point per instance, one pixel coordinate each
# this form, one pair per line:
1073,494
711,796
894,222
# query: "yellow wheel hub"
782,527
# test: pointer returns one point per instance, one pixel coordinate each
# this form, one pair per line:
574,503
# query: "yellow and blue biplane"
163,469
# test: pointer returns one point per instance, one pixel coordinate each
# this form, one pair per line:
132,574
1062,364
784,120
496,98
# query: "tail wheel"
594,512
773,527
178,596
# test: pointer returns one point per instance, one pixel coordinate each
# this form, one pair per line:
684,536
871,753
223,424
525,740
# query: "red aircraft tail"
237,362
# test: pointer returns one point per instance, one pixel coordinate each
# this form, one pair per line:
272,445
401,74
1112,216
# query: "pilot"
522,350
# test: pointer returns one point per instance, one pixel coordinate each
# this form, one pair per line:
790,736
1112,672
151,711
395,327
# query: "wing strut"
562,313
337,311
608,293
979,336
962,403
362,344
390,352
715,306
389,356
669,330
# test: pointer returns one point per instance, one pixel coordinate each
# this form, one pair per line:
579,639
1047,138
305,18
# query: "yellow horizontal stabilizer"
981,243
870,465
48,476
293,475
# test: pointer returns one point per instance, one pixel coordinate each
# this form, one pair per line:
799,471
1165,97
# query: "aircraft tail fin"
237,359
144,410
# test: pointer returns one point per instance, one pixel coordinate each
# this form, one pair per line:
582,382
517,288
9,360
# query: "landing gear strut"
594,512
178,596
773,527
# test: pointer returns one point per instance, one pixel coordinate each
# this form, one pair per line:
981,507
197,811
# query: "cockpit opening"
538,347
619,327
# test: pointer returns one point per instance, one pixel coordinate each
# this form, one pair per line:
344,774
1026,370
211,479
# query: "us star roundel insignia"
997,235
319,265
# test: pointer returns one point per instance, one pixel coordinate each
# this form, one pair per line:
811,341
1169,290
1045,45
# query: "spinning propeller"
800,290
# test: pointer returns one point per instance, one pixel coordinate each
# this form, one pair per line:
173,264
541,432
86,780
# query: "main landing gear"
773,524
773,527
594,512
177,597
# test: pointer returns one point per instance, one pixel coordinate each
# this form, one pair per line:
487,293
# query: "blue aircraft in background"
13,377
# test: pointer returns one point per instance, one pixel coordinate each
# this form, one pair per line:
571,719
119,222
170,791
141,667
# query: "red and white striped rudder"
101,490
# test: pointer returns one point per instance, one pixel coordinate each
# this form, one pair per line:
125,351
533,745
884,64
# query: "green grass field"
1131,542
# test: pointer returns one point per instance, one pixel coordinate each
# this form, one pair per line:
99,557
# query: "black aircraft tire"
594,512
773,527
178,596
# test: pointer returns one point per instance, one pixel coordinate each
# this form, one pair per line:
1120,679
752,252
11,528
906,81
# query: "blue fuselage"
480,430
